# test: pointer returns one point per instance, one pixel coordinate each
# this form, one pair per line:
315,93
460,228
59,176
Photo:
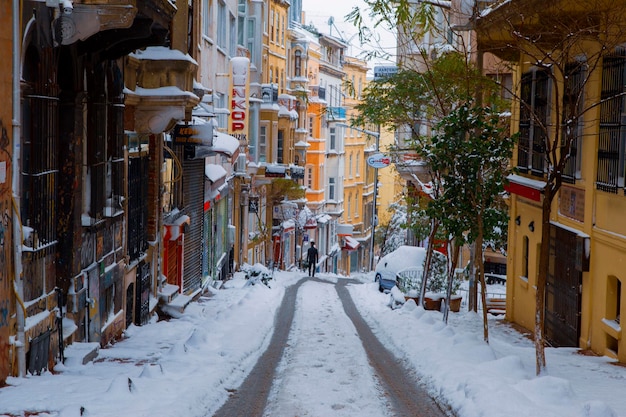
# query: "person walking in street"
311,258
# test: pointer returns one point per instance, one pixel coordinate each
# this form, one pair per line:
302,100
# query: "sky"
187,366
318,12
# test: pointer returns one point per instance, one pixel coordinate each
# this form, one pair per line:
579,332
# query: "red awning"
311,223
350,243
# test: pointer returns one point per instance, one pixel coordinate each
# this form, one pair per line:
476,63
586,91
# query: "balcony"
336,113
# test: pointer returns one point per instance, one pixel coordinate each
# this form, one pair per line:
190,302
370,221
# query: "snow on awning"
350,243
275,171
225,143
214,172
288,226
311,223
525,187
323,218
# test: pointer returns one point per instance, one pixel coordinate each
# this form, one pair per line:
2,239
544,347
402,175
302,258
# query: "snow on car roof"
405,257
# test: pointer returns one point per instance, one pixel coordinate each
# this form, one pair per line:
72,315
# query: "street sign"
381,72
378,160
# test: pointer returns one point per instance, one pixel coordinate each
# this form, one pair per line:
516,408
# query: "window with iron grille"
572,120
137,206
612,132
105,143
39,167
534,117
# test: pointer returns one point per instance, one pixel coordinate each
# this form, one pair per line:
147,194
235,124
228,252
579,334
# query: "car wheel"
380,288
490,280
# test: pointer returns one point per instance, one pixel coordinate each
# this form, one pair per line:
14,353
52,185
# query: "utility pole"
375,198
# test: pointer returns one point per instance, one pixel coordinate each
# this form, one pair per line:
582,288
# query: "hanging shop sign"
378,160
196,135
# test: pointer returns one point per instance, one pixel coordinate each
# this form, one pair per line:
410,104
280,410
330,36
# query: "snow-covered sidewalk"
188,366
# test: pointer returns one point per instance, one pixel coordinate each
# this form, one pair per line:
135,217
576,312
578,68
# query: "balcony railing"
336,113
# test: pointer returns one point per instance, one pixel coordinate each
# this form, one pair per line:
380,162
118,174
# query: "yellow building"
391,186
587,230
354,250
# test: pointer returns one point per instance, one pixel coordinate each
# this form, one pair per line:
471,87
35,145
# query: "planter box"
455,303
432,303
408,297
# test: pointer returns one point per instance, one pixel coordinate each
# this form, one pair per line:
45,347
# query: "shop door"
562,308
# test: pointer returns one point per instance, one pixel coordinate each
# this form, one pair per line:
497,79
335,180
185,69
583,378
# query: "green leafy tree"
410,99
471,150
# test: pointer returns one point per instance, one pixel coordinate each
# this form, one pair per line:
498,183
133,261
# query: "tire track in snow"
325,370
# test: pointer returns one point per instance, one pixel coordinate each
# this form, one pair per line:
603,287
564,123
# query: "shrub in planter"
257,273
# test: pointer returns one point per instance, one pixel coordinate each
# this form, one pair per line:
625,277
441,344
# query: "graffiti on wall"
5,250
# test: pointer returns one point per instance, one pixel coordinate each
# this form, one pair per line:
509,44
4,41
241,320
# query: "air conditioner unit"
240,165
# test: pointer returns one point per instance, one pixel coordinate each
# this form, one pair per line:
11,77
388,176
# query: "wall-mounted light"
518,220
531,226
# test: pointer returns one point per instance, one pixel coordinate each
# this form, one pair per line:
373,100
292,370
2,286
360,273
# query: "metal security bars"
534,118
572,122
612,132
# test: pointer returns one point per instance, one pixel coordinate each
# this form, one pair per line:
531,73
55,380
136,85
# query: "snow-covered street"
324,346
190,366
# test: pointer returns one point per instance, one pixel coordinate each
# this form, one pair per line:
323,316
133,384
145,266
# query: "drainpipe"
15,170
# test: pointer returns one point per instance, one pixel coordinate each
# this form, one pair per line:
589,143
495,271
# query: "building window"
233,36
222,117
280,145
251,44
297,62
614,299
311,118
356,206
282,31
309,177
39,167
206,18
573,106
263,143
333,138
350,166
282,80
222,25
137,206
272,24
358,159
331,188
241,22
534,116
349,211
612,134
277,25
